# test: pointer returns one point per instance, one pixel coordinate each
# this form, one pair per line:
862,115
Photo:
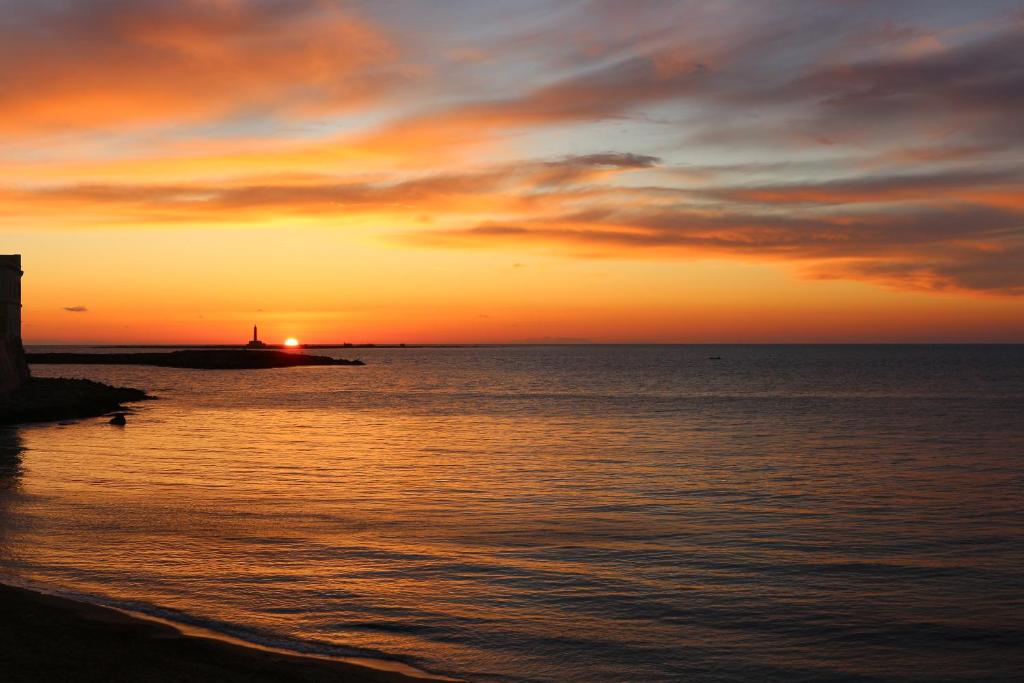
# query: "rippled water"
558,514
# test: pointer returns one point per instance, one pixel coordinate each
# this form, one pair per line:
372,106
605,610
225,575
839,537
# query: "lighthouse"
255,343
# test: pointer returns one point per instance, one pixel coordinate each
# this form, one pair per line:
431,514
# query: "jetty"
201,359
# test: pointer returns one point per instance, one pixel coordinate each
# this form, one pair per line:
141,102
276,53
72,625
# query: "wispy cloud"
106,63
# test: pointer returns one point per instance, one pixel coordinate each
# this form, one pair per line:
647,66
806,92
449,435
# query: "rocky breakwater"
204,359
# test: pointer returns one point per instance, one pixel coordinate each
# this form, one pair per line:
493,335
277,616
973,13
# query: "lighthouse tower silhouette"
255,343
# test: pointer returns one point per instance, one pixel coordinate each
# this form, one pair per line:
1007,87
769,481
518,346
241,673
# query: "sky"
514,171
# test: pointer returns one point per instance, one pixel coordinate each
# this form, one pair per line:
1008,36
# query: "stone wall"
13,368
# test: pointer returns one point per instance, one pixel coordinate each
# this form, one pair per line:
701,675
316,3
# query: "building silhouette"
13,367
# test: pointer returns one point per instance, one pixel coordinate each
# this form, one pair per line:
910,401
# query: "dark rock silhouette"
45,399
206,359
118,420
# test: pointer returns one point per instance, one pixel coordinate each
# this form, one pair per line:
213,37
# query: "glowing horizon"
486,172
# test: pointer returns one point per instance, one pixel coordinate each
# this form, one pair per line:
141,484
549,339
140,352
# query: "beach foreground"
48,638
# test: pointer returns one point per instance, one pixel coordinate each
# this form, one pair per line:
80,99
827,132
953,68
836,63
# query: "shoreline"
49,636
53,637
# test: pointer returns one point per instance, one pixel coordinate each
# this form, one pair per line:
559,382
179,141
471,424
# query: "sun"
291,341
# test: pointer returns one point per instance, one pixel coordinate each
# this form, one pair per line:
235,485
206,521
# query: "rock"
48,399
118,420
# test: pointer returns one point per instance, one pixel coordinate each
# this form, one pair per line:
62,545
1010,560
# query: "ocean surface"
590,514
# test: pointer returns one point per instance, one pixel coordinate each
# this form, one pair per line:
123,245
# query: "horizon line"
471,344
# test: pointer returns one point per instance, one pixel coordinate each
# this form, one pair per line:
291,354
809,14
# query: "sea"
556,513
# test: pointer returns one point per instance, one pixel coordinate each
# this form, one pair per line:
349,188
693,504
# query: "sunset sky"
470,171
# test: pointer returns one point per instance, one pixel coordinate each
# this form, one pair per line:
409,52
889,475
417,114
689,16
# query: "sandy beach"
49,638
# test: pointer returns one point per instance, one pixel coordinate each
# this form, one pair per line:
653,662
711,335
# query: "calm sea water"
583,514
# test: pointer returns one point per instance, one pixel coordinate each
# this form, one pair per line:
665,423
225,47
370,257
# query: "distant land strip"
207,359
272,346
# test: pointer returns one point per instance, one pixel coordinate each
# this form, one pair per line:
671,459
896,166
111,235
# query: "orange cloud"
950,247
529,187
106,63
917,230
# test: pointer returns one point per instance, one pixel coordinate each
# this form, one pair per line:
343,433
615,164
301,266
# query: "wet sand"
48,638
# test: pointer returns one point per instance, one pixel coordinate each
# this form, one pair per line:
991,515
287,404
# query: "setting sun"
291,341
